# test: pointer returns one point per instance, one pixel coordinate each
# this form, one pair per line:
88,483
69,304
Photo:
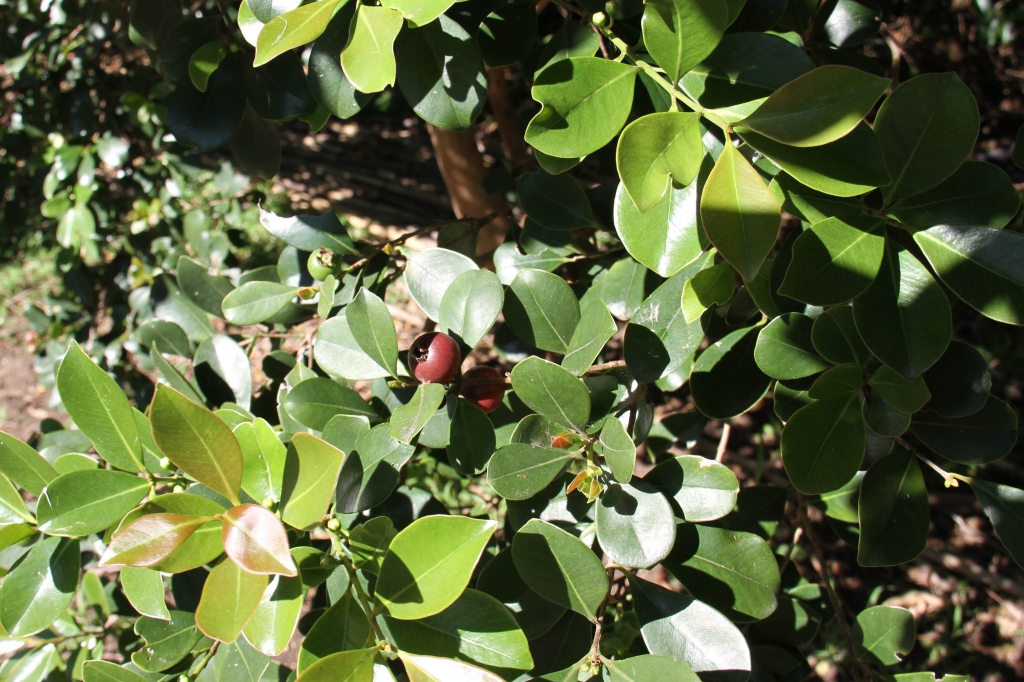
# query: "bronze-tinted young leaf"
255,540
149,540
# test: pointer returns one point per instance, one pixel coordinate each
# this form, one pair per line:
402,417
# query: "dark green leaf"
208,119
784,349
905,396
339,354
835,337
834,260
507,34
256,302
618,450
893,511
370,471
309,232
542,310
40,587
635,524
167,641
144,589
885,633
327,80
409,419
343,627
823,444
171,337
471,305
592,332
554,201
429,273
315,401
205,290
959,382
471,440
976,194
699,489
978,438
84,502
519,471
551,391
679,34
1004,506
23,465
725,380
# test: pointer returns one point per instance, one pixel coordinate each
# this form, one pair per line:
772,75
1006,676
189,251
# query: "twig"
797,535
595,647
204,661
723,442
604,367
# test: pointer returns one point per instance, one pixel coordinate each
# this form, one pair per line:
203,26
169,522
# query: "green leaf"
197,442
784,349
370,541
571,40
741,216
409,419
476,628
658,340
534,614
256,302
542,310
699,489
23,465
843,504
203,289
204,62
554,201
809,204
263,460
255,539
310,475
470,306
893,511
373,329
441,74
370,472
679,34
40,587
84,502
903,316
519,471
430,272
635,523
624,287
669,235
208,119
647,667
338,353
144,589
677,625
713,286
592,332
230,596
105,671
959,382
905,396
204,545
248,25
342,627
585,102
293,29
419,13
656,151
369,57
429,564
838,381
818,107
100,409
326,79
834,261
979,438
835,337
982,265
618,450
433,669
927,127
344,666
170,336
725,380
314,402
170,374
239,662
1004,507
224,358
551,391
823,444
885,633
559,567
148,540
976,194
310,232
471,440
507,34
168,642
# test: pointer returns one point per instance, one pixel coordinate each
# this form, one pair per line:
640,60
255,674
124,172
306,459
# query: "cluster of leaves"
243,506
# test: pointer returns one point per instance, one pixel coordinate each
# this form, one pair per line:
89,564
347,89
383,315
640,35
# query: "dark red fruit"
485,396
434,358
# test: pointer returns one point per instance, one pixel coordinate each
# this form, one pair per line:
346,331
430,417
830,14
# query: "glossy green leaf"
476,628
893,511
144,589
310,232
618,450
677,625
342,627
982,265
409,419
203,545
554,201
197,442
976,194
148,540
959,382
699,489
647,667
470,306
979,438
1004,507
256,302
221,363
534,614
12,506
310,475
585,102
559,567
339,354
429,564
903,316
679,34
784,349
369,543
230,597
519,471
713,286
239,661
624,287
263,460
39,588
725,380
471,440
293,29
551,391
370,472
314,402
808,204
823,444
327,80
542,310
927,127
883,418
84,502
344,666
885,633
592,332
656,151
441,73
171,337
571,40
419,13
741,216
373,329
429,273
203,289
434,669
507,34
369,58
174,378
105,671
23,465
818,107
834,260
905,396
167,641
207,119
255,539
838,381
635,524
835,337
100,408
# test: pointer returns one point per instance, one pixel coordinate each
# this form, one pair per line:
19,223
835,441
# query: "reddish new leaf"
256,540
149,540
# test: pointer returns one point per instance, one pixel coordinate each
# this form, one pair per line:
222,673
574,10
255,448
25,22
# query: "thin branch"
607,366
723,442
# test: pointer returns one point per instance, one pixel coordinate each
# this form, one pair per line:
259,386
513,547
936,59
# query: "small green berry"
599,19
334,525
165,463
322,263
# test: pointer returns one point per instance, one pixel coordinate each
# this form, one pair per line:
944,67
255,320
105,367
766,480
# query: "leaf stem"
204,661
341,552
675,94
595,647
950,480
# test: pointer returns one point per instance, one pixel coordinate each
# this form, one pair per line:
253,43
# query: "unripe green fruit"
599,19
323,263
611,8
435,358
334,525
165,463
